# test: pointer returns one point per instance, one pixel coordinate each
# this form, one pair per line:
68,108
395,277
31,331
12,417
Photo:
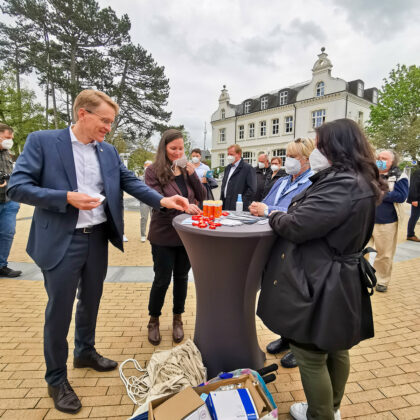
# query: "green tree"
137,159
394,122
140,88
24,117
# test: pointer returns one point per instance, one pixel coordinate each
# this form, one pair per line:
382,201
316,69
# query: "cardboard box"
178,407
187,400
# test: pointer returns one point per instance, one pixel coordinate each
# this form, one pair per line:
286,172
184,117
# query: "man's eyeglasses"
106,121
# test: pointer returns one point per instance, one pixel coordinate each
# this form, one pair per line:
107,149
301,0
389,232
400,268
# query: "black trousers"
168,260
83,269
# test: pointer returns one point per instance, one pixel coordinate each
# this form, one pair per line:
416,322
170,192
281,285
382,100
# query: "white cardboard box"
235,404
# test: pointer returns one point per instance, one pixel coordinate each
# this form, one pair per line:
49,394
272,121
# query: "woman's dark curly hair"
346,147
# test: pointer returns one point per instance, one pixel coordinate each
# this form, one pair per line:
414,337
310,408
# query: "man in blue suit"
74,180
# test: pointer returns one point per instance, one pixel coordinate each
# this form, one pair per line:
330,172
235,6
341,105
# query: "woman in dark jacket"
171,174
316,287
277,172
414,199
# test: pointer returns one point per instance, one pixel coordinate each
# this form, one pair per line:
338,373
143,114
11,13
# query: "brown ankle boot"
178,331
154,333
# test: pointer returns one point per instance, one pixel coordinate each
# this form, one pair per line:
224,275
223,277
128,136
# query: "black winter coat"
262,176
414,192
243,181
312,289
271,180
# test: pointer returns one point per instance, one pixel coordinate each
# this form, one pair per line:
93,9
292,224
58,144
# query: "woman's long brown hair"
162,165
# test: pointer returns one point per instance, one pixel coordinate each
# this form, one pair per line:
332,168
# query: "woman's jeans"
168,260
415,214
324,376
8,213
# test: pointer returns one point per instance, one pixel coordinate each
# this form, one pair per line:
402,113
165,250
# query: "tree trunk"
73,79
120,95
47,98
54,105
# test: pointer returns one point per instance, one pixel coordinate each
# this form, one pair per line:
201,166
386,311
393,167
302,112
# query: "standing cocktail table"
227,264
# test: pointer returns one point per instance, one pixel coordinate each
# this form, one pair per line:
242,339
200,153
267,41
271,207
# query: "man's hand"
193,209
175,202
82,201
415,203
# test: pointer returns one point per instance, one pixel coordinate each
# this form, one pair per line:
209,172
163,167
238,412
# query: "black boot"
277,346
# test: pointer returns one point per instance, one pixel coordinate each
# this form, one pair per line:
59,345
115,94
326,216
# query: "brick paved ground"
384,381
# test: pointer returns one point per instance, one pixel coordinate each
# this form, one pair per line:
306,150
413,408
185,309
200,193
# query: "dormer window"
360,89
264,103
375,97
247,107
320,89
283,97
223,114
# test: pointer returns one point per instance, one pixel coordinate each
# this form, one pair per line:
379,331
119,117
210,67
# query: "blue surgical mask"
381,164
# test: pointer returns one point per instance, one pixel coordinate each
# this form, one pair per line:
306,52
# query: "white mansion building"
266,123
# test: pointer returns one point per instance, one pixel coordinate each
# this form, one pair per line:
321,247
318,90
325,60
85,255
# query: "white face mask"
275,168
318,161
181,162
292,166
261,165
230,159
195,159
7,144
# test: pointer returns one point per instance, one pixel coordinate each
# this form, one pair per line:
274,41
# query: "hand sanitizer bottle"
239,203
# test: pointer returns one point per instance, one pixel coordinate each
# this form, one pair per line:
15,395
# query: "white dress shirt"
89,180
232,170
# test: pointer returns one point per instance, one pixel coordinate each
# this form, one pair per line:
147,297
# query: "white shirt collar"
75,140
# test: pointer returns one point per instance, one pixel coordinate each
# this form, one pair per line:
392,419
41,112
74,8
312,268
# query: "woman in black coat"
317,284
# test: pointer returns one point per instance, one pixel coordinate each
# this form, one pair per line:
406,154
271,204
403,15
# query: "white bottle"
239,203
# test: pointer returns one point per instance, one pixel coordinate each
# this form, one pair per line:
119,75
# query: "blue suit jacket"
43,175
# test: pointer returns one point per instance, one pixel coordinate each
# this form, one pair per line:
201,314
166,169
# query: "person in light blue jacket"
298,170
278,199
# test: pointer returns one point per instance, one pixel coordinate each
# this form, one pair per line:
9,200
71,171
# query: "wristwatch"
266,212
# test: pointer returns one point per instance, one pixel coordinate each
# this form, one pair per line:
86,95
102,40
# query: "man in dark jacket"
239,178
388,215
263,172
413,199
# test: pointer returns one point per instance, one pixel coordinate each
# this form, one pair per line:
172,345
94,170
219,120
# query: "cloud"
380,19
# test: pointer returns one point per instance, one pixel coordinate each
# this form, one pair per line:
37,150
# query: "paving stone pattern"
384,382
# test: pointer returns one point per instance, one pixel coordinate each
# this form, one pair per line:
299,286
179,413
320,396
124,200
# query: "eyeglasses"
106,121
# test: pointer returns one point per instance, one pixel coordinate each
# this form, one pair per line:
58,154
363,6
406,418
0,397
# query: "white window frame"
241,132
263,128
279,153
288,124
251,130
248,157
320,88
275,126
318,117
360,89
221,159
264,103
222,135
247,107
283,97
223,114
375,96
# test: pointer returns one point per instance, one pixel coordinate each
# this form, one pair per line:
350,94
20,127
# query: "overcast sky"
258,46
